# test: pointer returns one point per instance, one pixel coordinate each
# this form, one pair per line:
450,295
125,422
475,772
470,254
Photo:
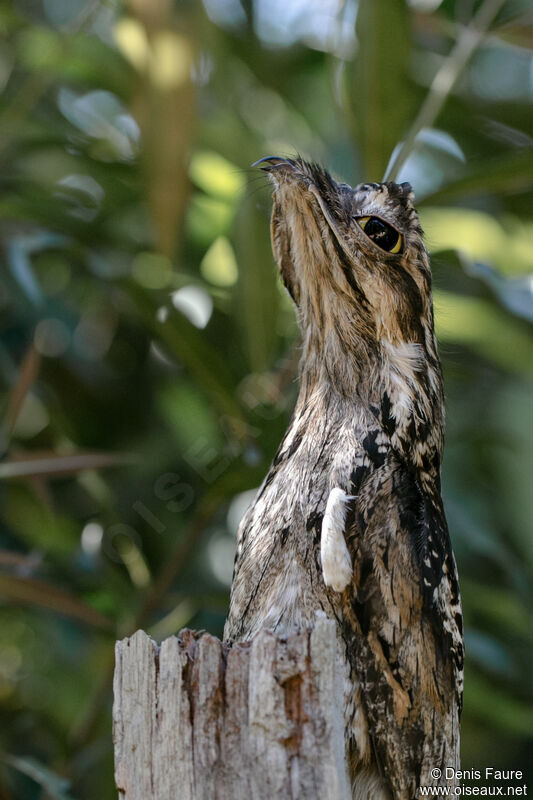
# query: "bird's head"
354,262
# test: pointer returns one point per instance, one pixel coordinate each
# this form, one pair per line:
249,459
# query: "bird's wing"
405,610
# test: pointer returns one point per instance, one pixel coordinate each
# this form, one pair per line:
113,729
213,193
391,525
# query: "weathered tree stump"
196,719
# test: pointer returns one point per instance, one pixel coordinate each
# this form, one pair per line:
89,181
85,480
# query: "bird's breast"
278,583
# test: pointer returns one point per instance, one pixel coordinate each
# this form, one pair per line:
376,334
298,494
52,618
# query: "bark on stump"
195,719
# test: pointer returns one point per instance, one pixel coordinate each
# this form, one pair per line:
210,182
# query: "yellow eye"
381,233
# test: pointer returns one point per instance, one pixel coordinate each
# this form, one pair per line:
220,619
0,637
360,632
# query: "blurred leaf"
38,593
19,250
29,517
478,236
190,415
379,88
219,265
518,30
490,331
215,175
469,38
133,560
191,347
515,294
512,173
208,218
54,785
40,48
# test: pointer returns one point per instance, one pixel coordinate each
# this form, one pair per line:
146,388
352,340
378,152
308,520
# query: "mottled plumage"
349,520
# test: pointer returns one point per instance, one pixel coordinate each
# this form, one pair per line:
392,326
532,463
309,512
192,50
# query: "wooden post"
196,719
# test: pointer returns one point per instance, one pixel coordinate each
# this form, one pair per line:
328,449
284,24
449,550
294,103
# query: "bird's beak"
273,162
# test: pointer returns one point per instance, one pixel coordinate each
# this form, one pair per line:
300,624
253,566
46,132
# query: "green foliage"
148,355
380,92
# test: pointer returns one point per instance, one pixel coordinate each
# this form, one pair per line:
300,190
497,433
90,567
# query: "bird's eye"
382,234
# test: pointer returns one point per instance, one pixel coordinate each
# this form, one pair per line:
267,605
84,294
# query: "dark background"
148,354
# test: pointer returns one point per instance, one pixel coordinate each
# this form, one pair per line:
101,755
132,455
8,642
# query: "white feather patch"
336,562
405,360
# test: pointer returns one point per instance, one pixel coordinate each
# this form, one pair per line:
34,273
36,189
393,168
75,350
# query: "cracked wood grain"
198,719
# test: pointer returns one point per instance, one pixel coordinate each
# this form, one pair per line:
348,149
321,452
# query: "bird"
349,521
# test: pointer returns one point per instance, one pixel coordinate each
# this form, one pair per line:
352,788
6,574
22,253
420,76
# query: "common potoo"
349,521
